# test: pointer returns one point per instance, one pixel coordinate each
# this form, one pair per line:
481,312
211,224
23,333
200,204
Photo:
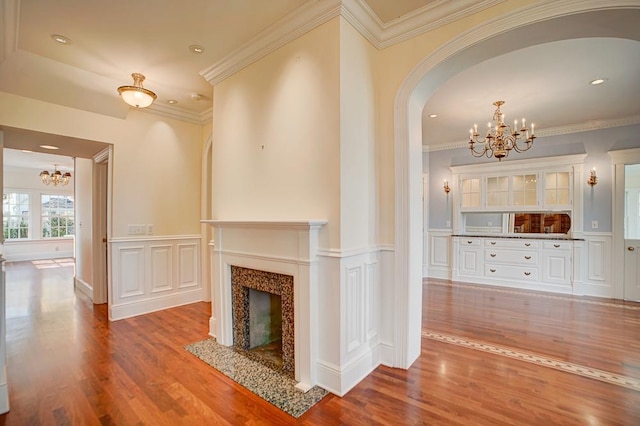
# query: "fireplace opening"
265,326
263,317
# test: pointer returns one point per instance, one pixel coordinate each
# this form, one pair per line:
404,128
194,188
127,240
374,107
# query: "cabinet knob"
527,244
631,248
493,243
527,257
492,270
492,254
527,273
556,245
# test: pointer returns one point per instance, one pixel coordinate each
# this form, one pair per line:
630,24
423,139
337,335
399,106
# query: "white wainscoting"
592,273
51,248
440,254
355,293
153,273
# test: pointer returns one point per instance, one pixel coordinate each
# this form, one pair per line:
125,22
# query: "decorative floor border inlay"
533,293
567,367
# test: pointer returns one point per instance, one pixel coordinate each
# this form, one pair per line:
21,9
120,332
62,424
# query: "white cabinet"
470,193
470,257
538,264
556,262
557,190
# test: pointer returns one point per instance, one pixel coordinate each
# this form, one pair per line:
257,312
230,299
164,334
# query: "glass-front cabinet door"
525,190
470,193
497,191
557,189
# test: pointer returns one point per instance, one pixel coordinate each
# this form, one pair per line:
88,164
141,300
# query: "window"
57,216
15,223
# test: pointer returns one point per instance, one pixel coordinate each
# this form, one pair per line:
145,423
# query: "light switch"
594,224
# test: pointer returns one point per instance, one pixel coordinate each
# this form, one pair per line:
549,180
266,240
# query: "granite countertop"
522,237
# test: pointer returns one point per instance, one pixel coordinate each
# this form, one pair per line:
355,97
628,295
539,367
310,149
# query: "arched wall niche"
538,24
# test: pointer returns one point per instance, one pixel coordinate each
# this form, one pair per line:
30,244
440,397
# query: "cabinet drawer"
516,257
511,243
470,242
557,245
511,272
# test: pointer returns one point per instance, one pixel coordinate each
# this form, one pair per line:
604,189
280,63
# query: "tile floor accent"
270,385
621,304
592,373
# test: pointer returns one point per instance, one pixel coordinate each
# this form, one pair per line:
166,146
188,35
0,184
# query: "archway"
517,30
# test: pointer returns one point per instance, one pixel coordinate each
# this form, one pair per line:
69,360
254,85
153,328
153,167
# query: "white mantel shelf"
264,223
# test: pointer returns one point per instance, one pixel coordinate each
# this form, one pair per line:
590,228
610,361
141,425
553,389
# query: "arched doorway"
517,30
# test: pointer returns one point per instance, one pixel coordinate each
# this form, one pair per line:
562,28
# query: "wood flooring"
68,365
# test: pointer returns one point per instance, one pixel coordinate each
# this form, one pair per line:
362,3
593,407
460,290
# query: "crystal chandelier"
56,178
501,138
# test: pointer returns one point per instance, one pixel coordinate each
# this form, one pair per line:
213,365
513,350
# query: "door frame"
619,159
101,203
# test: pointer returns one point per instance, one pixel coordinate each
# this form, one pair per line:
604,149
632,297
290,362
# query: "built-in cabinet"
502,192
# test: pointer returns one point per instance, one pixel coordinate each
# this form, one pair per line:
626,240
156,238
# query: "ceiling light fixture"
500,138
597,81
56,178
61,39
196,48
136,95
172,102
433,115
49,147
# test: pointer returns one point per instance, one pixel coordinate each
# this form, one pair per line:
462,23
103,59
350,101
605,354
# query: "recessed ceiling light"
597,81
433,115
196,96
49,147
172,102
196,48
26,150
61,39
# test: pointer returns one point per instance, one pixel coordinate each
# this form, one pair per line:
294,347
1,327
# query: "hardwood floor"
68,365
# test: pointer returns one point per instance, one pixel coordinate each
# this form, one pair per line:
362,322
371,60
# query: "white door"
632,270
632,233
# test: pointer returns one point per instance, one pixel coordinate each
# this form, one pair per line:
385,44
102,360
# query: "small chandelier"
500,138
136,95
56,178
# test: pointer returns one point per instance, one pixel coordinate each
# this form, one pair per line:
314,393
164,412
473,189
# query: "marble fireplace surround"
281,247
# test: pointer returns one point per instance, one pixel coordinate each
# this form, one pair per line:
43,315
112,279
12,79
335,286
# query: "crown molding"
302,20
181,114
552,131
315,13
9,17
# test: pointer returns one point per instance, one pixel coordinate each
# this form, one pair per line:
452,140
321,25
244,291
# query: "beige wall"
276,138
156,161
83,172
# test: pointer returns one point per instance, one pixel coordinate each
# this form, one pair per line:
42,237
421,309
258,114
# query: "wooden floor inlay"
568,367
621,304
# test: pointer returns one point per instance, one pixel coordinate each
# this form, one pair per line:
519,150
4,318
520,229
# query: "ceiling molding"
302,20
180,113
552,131
9,17
358,14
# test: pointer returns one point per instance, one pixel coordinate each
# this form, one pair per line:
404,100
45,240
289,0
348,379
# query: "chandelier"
501,138
56,177
136,95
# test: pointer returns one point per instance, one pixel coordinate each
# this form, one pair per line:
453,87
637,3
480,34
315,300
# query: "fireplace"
263,317
269,250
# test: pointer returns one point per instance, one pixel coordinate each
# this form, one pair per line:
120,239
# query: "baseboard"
339,381
84,287
591,289
25,257
4,392
128,310
442,274
387,354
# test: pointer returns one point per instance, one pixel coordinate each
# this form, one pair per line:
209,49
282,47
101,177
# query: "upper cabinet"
540,185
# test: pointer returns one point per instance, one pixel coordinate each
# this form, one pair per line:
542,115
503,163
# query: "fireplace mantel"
284,247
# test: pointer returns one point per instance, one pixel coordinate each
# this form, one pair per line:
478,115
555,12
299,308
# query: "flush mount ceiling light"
56,177
136,95
196,48
597,81
59,38
501,138
49,147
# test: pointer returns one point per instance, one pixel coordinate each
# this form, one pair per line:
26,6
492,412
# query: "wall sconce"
593,179
446,187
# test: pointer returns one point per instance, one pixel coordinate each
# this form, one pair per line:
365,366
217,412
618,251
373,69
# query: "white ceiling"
548,83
